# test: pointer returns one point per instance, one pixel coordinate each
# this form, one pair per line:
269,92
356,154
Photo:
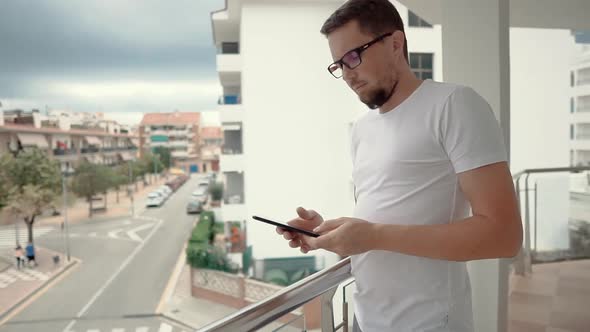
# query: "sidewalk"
17,286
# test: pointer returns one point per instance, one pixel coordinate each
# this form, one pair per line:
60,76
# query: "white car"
164,191
154,199
201,194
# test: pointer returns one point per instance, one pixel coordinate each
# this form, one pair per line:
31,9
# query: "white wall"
296,120
540,62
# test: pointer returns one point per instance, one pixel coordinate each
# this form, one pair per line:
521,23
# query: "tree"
120,177
35,181
30,202
90,180
6,165
165,155
149,163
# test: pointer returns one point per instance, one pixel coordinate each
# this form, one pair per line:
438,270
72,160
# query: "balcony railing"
225,150
320,284
89,150
229,100
234,199
64,152
532,251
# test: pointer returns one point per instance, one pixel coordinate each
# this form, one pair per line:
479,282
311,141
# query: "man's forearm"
473,238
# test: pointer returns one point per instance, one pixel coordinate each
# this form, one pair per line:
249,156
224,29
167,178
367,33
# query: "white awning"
126,156
135,141
37,140
92,140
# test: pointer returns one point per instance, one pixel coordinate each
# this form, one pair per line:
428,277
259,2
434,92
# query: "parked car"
177,182
154,199
194,205
201,194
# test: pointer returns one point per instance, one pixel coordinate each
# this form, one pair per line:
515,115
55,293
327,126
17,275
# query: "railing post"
519,260
328,310
527,239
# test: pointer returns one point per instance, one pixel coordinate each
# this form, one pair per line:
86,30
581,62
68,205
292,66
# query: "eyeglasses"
352,58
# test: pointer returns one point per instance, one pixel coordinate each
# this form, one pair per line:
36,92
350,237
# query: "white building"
580,107
286,120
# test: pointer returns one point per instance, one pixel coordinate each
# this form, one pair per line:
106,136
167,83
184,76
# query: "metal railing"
323,283
523,262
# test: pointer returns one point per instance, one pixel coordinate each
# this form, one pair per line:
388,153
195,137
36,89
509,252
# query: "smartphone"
286,227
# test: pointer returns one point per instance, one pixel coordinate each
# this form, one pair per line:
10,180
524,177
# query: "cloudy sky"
108,55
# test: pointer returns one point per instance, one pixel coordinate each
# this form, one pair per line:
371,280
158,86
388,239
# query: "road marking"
114,276
93,234
113,234
133,233
142,329
165,328
19,275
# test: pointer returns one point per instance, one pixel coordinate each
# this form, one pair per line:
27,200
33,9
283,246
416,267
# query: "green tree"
91,180
120,178
30,202
165,155
6,165
35,181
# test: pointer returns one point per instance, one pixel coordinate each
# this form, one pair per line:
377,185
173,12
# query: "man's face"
375,77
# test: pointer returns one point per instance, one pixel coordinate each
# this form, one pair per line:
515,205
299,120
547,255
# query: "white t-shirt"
405,166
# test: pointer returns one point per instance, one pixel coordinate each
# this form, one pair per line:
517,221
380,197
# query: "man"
423,156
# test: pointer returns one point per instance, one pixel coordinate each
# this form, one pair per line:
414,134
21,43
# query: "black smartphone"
286,227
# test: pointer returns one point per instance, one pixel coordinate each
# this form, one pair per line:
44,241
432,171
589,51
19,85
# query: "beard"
377,98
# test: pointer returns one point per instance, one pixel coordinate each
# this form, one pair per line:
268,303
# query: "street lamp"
130,189
64,171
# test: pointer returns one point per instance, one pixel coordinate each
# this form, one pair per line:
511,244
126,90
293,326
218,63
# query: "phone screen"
286,227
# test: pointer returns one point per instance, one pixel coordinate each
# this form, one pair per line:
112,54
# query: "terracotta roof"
211,133
80,132
173,118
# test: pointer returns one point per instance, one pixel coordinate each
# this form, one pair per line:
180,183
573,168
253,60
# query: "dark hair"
375,17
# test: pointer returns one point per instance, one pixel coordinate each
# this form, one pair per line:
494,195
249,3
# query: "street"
126,265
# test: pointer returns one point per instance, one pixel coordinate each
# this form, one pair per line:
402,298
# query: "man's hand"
344,236
308,220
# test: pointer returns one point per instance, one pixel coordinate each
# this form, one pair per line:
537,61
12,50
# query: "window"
230,48
416,21
571,78
421,64
571,131
571,105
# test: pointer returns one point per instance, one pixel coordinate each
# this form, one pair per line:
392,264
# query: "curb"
8,311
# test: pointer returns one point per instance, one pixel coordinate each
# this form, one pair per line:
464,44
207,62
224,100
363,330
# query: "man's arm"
494,230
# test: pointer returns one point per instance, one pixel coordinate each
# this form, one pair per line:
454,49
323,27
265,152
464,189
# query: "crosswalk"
11,275
163,327
8,235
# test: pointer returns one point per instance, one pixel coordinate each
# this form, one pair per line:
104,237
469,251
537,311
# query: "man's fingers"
329,225
294,243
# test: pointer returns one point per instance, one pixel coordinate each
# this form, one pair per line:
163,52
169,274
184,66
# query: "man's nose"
348,75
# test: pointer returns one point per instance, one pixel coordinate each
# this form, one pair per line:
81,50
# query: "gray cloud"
44,42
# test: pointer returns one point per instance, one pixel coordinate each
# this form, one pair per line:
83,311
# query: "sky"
111,56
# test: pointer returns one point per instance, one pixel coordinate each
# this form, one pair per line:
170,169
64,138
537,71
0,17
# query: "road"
126,265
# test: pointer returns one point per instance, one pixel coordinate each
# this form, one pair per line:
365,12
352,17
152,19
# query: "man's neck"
406,85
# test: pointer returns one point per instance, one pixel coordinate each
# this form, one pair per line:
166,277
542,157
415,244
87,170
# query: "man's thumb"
305,214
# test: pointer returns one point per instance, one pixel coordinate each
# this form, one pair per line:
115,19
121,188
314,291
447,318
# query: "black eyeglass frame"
359,50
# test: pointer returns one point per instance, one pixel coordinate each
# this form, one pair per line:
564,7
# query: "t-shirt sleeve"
469,132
